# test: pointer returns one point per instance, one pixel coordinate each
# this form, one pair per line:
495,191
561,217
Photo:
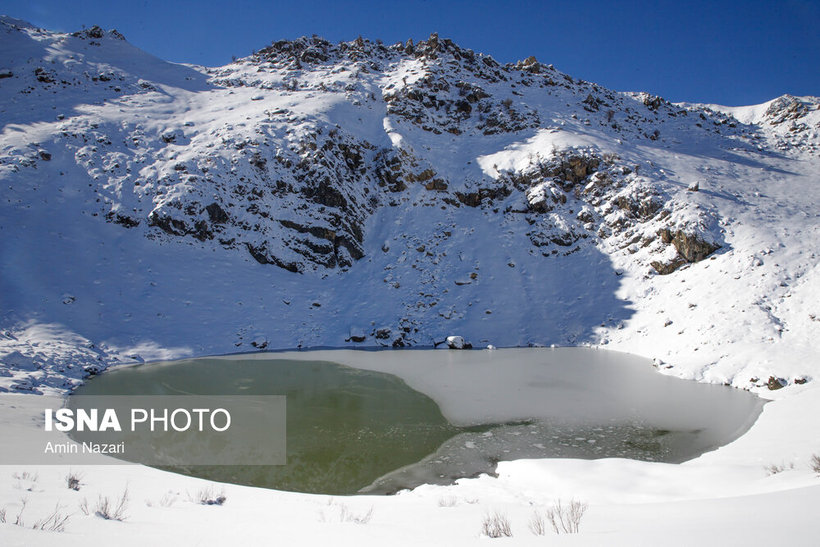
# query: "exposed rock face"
691,248
457,342
295,182
216,214
787,108
483,195
774,383
795,122
666,268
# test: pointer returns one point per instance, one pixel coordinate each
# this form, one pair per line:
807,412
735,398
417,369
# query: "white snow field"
361,195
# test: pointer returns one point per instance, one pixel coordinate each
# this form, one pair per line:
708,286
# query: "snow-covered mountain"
318,194
360,195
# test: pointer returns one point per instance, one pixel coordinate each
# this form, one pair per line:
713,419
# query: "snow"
520,155
79,295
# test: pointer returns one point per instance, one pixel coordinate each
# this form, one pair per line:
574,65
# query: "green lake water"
351,430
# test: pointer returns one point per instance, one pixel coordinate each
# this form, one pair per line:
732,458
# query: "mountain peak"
290,152
97,33
17,23
426,176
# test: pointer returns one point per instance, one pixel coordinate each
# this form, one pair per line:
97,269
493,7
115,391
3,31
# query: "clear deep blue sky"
732,52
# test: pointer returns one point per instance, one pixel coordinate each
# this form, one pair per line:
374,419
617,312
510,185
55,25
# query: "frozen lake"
381,421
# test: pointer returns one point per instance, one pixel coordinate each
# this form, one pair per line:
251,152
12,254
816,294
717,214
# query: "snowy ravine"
361,194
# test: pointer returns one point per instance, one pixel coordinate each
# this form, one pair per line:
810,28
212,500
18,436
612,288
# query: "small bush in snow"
112,509
19,520
26,476
537,524
207,496
73,481
447,501
774,469
566,518
496,526
348,516
55,522
168,499
814,463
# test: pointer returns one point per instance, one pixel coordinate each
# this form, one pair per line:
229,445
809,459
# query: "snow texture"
359,194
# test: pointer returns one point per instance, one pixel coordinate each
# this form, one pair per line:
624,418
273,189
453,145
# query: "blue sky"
730,52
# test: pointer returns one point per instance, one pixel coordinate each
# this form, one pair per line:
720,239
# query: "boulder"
356,335
457,342
693,247
690,247
775,383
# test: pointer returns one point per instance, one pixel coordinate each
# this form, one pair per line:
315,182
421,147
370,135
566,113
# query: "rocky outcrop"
795,122
666,268
294,182
484,195
691,247
787,108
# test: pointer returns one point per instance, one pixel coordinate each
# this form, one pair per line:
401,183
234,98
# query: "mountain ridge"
426,176
435,99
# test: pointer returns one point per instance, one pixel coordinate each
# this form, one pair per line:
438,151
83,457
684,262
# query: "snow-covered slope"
319,194
359,194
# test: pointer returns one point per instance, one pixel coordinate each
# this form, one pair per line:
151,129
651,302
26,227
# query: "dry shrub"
112,509
566,518
496,525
